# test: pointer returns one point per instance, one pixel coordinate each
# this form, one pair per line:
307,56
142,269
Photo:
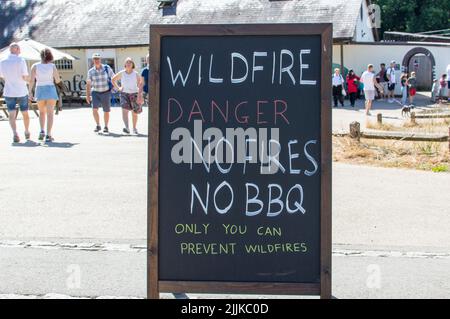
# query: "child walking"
404,83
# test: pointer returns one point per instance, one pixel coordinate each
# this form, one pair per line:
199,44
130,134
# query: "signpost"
240,159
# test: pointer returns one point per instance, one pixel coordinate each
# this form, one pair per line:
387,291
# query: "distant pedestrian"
98,91
45,75
404,84
443,85
145,74
338,87
370,82
352,86
131,98
14,71
448,82
435,91
391,75
412,86
383,79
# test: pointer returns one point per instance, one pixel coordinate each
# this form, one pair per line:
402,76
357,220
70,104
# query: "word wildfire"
283,67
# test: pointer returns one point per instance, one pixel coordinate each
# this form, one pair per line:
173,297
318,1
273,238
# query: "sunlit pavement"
73,219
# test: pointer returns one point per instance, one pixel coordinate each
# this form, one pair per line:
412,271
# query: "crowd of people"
22,87
382,85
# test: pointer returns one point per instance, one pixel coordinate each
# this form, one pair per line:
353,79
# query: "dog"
406,111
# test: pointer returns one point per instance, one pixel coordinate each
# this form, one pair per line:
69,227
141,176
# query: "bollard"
413,117
380,118
355,130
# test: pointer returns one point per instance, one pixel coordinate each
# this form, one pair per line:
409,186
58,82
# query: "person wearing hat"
98,91
392,81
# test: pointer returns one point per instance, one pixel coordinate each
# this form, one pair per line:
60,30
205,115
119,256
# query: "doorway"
421,61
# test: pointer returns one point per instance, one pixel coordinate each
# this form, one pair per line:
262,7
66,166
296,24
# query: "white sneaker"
135,132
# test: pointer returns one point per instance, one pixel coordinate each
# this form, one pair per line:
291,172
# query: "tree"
414,15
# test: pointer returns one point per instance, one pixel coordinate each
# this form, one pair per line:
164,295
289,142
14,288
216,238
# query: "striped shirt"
99,78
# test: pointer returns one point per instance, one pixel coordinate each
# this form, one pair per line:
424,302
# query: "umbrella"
31,51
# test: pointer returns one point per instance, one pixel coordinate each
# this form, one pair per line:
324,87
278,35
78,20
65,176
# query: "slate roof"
107,23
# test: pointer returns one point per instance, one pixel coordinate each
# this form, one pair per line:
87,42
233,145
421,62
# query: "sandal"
49,139
41,136
27,136
16,139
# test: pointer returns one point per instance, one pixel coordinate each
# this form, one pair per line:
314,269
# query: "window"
64,64
166,3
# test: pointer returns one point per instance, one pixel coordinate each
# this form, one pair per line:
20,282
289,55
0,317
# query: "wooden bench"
32,106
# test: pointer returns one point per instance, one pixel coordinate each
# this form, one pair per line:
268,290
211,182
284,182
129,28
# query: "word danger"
283,67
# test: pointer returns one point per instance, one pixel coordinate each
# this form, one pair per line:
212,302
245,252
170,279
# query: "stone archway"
420,51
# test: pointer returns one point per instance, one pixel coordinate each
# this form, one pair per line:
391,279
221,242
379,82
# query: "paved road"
342,117
79,208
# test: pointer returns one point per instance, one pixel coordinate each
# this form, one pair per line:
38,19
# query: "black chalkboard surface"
240,164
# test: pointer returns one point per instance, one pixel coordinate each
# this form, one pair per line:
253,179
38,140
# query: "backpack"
110,85
385,77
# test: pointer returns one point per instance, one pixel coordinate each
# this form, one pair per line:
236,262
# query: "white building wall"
358,56
76,78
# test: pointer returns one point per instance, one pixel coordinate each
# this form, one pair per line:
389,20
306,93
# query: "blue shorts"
102,99
46,92
12,102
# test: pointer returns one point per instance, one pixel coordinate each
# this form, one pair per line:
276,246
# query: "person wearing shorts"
45,75
391,75
14,71
131,97
412,84
99,84
368,79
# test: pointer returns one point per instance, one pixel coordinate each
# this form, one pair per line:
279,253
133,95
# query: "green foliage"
440,169
414,15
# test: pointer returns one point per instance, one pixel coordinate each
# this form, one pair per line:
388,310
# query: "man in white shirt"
369,81
392,81
14,71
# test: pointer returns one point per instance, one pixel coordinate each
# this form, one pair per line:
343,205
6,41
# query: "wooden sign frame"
154,285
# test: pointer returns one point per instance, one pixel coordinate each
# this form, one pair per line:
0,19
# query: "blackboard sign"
240,159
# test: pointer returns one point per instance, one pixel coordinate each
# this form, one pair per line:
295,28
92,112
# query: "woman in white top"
131,98
338,86
46,75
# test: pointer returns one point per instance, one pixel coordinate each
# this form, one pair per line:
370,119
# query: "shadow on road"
60,145
26,144
115,135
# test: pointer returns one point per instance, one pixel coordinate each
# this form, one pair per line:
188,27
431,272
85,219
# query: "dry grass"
429,156
421,126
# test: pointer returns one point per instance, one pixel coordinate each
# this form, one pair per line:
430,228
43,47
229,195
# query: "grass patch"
421,126
440,169
428,156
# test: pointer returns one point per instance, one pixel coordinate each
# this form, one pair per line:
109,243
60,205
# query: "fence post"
355,130
413,117
380,118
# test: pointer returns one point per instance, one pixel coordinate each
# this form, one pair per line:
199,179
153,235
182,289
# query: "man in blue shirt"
145,76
